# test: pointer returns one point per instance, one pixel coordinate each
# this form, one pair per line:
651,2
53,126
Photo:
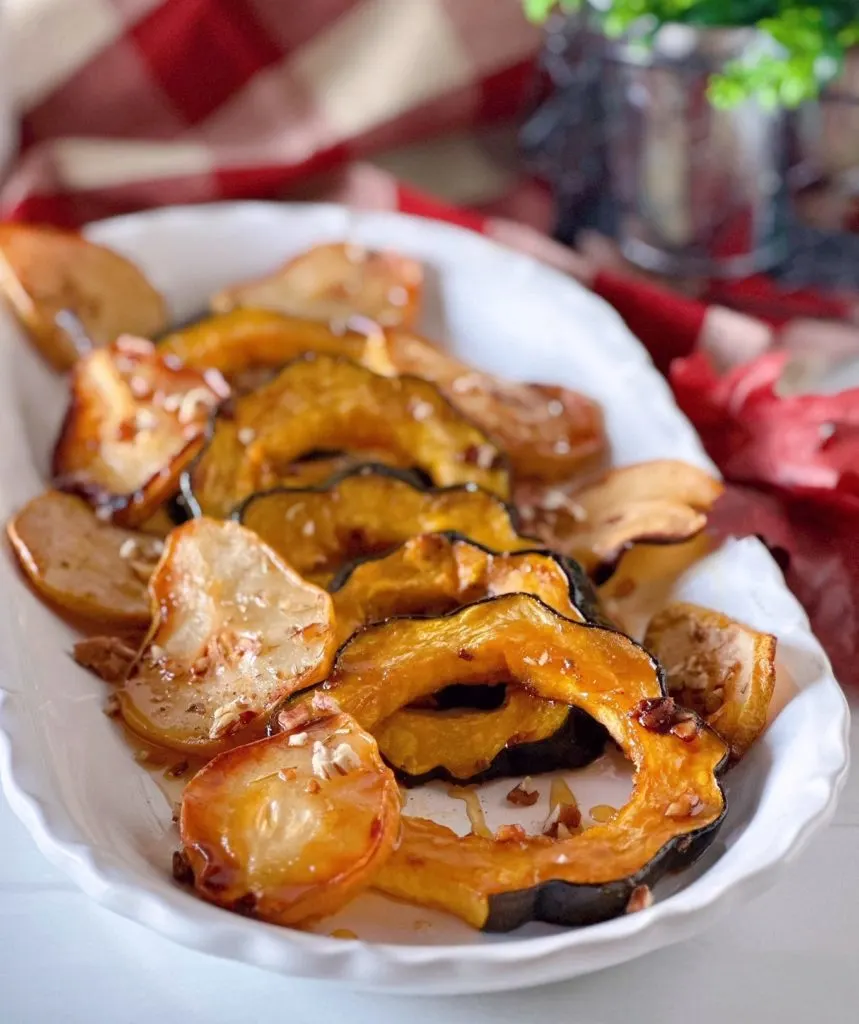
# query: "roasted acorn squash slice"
548,432
85,566
325,403
334,282
135,421
246,339
676,803
290,828
718,667
234,631
71,294
664,501
433,574
372,510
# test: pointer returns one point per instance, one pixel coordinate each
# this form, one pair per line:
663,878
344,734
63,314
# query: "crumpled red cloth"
793,467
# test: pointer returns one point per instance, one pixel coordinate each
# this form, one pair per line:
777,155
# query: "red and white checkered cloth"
408,105
128,104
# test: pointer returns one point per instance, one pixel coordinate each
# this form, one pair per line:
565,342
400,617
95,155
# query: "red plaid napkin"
129,104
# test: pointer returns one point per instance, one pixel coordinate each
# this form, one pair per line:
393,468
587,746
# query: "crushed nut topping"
111,706
227,717
297,739
128,548
144,419
420,410
658,714
524,794
640,899
189,402
686,730
309,528
563,816
544,657
685,806
182,871
107,656
312,786
247,435
510,834
345,759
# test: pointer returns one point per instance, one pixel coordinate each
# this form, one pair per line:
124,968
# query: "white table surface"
790,956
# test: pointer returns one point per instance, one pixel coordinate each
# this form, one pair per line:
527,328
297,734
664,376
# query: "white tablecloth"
789,957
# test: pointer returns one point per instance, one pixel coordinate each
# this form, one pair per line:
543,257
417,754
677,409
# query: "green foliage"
813,38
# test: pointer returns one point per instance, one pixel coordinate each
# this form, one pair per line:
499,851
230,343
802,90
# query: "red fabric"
667,324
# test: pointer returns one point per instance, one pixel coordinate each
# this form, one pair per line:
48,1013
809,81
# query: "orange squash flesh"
432,574
290,828
722,669
371,511
676,802
245,339
323,403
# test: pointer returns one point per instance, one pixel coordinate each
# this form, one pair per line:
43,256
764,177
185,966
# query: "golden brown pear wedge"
87,567
134,422
718,667
71,294
334,282
234,630
289,829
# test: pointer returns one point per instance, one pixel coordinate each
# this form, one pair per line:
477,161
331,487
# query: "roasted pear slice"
664,501
71,294
234,630
370,511
718,667
331,404
87,567
134,423
290,828
548,432
334,282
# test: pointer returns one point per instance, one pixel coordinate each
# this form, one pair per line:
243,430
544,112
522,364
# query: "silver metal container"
700,190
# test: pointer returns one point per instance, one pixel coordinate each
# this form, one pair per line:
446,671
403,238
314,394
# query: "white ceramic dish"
99,816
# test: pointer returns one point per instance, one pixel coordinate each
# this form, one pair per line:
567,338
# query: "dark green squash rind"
574,905
581,590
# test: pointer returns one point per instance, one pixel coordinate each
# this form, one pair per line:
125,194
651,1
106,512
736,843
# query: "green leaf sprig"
813,39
